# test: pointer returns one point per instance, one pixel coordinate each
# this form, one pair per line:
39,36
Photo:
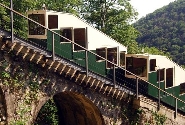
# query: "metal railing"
86,58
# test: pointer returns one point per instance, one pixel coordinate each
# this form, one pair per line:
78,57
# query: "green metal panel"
98,67
181,105
162,86
93,65
64,49
79,57
152,91
175,92
164,97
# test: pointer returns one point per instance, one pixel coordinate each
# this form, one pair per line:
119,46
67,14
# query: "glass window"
67,33
169,77
152,64
161,72
137,66
35,29
79,38
122,58
101,52
111,56
53,21
182,88
129,64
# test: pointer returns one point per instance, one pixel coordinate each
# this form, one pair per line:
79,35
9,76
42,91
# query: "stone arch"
76,109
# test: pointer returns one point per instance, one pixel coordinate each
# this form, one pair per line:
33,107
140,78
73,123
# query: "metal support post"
175,108
53,46
11,13
86,62
86,54
137,87
159,91
114,75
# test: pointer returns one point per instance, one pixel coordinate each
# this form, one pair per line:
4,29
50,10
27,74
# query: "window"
182,88
111,56
35,29
122,58
169,77
140,67
53,21
67,33
161,72
137,66
79,38
101,52
129,64
152,64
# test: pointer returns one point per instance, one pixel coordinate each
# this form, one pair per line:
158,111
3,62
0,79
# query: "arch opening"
70,108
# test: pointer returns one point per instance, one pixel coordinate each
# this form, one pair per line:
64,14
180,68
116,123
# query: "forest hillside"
165,30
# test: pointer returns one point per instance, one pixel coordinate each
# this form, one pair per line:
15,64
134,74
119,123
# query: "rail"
86,50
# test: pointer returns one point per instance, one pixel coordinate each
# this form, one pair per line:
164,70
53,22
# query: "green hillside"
165,30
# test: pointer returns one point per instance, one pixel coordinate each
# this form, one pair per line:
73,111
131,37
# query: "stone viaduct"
28,79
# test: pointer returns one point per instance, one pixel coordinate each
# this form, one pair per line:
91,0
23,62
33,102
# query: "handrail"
91,52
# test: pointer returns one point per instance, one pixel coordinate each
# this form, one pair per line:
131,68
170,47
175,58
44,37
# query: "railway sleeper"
71,72
66,70
86,81
80,78
95,84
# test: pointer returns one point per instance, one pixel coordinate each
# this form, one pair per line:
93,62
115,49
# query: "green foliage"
159,118
5,75
69,6
113,18
45,82
165,30
34,86
153,51
129,114
9,79
48,114
21,112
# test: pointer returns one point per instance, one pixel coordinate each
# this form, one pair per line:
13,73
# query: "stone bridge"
29,79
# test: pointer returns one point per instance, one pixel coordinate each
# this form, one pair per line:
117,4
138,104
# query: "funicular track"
64,67
70,70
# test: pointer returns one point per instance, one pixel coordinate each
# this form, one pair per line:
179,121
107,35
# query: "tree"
113,17
48,114
164,29
69,6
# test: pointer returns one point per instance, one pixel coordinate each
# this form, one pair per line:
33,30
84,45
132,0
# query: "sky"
144,7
